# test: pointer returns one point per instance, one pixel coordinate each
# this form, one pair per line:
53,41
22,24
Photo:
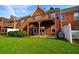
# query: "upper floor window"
52,15
63,17
76,16
57,14
37,14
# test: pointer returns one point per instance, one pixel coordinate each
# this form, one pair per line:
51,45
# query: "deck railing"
38,18
6,24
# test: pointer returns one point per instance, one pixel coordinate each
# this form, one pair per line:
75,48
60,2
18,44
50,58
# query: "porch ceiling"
44,23
47,23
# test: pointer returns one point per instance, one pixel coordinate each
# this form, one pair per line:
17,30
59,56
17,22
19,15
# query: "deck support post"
27,29
1,28
2,25
39,27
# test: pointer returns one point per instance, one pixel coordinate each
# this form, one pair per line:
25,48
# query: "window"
34,30
52,15
53,28
57,15
77,28
62,17
42,29
38,14
76,16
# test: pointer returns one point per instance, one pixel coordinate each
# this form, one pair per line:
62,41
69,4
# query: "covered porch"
41,28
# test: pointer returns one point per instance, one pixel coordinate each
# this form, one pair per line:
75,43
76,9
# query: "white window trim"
76,14
62,17
42,28
52,15
34,29
53,27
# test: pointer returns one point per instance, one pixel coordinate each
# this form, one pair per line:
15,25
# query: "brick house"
41,22
6,23
50,22
71,15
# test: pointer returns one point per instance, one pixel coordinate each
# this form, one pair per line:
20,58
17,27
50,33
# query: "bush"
3,33
17,33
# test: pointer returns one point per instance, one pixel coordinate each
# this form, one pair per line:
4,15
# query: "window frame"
52,15
62,17
76,16
42,29
77,28
53,28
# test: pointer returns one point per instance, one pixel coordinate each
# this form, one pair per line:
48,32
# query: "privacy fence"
70,34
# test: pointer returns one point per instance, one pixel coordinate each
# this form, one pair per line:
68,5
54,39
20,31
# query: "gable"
38,11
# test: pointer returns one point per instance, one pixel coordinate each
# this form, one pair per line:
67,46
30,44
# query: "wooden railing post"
14,24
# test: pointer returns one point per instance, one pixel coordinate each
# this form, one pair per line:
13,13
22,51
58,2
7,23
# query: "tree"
51,8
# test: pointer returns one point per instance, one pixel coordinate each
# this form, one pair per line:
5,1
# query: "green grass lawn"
13,45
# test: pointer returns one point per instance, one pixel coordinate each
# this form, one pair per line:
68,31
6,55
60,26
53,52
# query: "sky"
25,10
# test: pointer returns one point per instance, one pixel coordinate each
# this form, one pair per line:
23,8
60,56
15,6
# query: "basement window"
53,28
42,29
77,28
76,16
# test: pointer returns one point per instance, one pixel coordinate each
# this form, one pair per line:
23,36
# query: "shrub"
3,33
17,33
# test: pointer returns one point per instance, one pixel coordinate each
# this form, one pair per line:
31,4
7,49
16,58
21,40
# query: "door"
34,30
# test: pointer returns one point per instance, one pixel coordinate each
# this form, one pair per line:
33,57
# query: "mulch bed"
76,41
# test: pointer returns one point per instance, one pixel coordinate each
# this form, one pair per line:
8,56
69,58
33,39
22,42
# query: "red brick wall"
69,18
58,25
48,30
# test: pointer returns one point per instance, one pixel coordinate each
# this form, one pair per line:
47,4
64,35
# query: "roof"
56,9
6,19
71,9
25,17
36,10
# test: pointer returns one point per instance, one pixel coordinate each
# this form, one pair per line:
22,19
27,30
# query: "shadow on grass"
62,39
